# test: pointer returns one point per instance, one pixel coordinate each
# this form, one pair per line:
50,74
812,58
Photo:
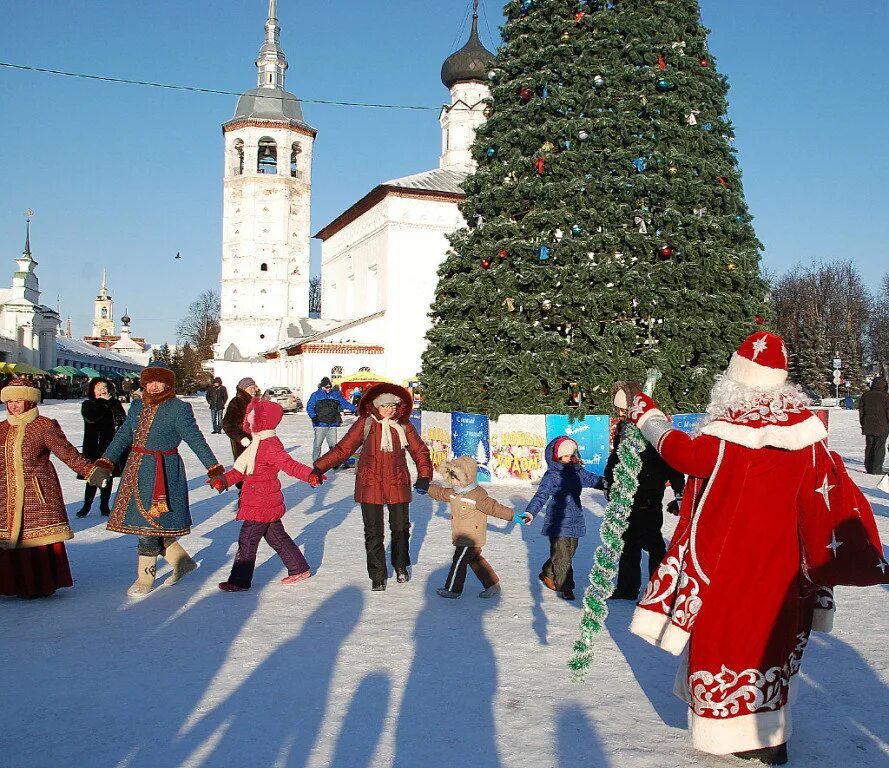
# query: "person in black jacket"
873,413
102,416
646,513
217,397
233,421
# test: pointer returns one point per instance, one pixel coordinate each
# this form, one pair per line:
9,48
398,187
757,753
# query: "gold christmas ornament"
731,266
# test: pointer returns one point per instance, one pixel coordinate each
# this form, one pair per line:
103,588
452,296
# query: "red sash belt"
159,492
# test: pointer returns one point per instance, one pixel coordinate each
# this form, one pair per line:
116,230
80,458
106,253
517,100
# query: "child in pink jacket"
261,505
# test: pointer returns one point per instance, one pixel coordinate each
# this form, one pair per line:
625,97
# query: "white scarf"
246,462
386,438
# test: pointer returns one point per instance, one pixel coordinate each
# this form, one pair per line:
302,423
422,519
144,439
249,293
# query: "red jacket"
261,498
383,476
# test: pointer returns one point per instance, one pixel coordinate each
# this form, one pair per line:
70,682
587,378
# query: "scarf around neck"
26,418
386,437
168,394
246,462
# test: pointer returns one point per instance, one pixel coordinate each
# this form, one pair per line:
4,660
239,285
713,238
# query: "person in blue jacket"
561,485
324,408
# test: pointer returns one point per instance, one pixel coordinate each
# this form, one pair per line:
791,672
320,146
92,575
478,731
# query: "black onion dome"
471,62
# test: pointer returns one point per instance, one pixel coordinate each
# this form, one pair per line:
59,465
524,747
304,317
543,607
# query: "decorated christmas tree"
607,228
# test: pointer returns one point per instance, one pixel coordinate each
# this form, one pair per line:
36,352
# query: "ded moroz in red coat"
770,522
261,499
383,476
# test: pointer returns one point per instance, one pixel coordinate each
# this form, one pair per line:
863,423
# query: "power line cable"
213,91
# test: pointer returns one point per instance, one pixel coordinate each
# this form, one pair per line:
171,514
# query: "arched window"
263,267
104,313
267,156
295,151
238,157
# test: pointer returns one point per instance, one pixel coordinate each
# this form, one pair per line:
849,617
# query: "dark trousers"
104,498
399,528
469,557
216,420
277,538
559,566
643,532
874,453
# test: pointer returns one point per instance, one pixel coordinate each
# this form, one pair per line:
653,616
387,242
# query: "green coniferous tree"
607,228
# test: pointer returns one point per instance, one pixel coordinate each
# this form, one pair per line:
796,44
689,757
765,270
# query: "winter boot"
145,576
566,594
547,582
227,586
295,578
769,755
491,591
443,592
378,586
83,511
402,575
179,560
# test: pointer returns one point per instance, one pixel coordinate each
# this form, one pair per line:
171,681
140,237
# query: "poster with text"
590,433
436,433
686,422
517,443
469,437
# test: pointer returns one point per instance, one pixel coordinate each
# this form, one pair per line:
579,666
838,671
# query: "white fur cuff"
738,734
822,620
649,625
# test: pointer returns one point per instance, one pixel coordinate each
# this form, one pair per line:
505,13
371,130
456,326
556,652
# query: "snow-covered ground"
327,673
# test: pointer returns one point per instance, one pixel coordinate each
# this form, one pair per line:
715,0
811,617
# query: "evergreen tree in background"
607,229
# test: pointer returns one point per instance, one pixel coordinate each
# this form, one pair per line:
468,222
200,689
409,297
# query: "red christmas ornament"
666,251
502,253
722,181
538,164
525,94
660,62
704,62
578,16
486,264
759,320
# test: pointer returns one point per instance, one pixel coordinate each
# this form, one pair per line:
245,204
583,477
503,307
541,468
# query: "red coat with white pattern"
761,531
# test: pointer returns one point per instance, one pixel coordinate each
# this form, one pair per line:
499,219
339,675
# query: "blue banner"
590,433
416,419
469,437
687,422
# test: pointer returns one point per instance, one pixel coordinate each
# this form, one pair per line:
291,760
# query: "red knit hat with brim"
20,389
564,446
157,372
760,362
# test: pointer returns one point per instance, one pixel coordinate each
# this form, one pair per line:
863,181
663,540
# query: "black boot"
769,755
88,495
378,586
83,511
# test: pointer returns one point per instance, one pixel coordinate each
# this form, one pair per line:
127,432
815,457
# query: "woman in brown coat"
383,432
34,525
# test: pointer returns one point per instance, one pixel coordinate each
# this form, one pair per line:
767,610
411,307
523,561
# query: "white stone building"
379,258
27,328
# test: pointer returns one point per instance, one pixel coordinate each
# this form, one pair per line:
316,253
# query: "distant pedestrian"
102,416
324,408
873,413
233,421
217,397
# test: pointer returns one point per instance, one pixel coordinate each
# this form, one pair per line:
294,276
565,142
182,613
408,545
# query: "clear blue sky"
123,177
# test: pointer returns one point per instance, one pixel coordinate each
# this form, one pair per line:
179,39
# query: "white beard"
727,396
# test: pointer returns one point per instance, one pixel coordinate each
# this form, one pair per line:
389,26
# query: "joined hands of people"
316,478
523,518
219,483
422,485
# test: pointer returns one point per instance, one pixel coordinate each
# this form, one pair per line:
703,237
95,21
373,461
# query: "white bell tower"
265,213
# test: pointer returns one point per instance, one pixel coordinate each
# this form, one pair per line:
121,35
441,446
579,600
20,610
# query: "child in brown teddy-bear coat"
470,507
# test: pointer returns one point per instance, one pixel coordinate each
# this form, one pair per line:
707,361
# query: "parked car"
285,398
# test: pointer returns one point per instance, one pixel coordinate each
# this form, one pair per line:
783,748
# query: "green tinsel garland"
607,555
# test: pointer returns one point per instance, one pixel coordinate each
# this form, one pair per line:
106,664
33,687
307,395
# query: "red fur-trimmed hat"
20,389
157,371
564,446
760,362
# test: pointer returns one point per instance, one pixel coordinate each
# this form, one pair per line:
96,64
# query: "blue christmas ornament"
639,162
527,5
490,151
739,217
663,84
576,230
567,144
543,253
544,91
708,126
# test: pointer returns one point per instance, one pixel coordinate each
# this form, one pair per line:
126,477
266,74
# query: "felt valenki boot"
145,576
179,560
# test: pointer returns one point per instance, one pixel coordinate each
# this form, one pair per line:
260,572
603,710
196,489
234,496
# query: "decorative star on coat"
834,544
825,490
882,566
759,345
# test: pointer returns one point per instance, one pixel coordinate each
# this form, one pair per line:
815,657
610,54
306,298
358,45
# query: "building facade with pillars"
27,328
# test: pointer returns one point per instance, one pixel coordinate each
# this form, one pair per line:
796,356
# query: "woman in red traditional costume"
770,522
34,526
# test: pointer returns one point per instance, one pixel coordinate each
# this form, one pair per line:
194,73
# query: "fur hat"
760,362
217,380
564,446
157,371
387,398
20,389
246,382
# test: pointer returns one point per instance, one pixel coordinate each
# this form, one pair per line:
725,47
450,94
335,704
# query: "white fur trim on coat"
822,619
674,640
738,734
754,375
649,625
791,438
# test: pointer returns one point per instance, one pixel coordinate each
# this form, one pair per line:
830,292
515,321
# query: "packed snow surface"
328,673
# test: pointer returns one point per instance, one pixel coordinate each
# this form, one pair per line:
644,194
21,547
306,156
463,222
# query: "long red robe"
770,521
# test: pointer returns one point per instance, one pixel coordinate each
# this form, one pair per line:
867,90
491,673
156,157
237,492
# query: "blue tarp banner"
590,433
469,437
687,422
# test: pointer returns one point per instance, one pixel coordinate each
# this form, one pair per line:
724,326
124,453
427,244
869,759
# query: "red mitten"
642,406
218,483
316,478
